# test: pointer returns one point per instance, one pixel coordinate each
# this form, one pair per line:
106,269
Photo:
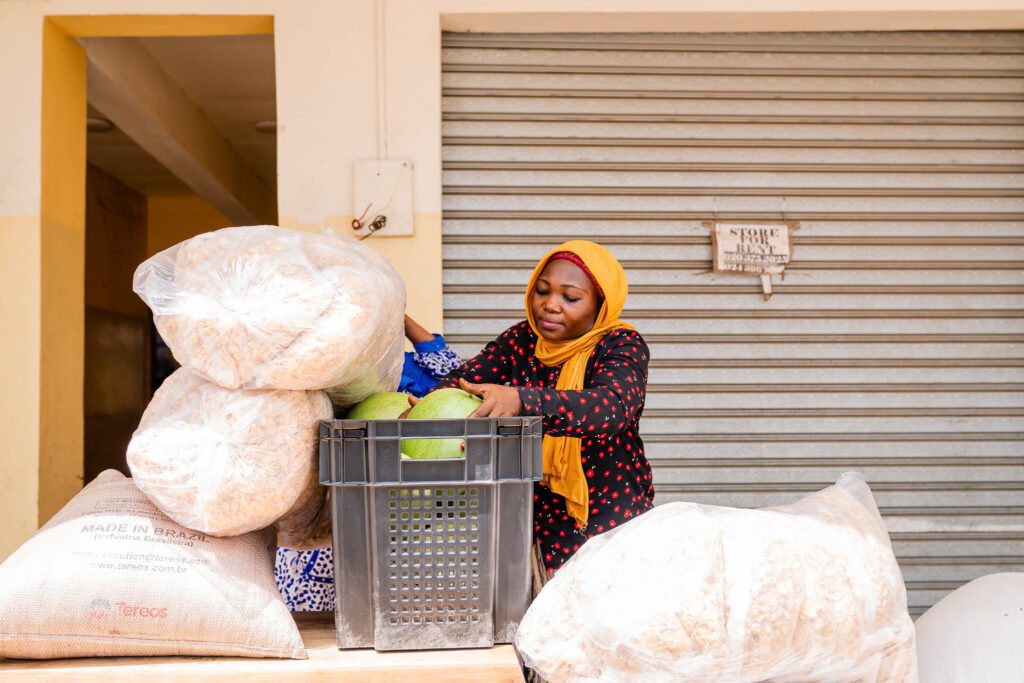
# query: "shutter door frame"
893,345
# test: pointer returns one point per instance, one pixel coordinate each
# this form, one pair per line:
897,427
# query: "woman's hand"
499,400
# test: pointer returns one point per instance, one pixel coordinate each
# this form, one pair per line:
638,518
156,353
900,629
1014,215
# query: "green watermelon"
387,405
442,404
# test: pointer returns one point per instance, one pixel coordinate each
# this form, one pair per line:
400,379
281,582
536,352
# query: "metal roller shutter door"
893,346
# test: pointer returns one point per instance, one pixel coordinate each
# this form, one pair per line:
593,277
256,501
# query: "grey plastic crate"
430,554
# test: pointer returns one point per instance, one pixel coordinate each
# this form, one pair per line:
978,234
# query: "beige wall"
19,378
327,86
20,312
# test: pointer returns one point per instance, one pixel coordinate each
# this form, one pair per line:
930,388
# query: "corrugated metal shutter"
894,344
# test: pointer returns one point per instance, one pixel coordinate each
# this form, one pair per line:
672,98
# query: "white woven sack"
110,575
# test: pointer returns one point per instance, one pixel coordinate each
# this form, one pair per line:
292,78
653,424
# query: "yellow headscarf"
563,469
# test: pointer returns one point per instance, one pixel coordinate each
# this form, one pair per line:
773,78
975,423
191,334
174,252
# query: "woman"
575,363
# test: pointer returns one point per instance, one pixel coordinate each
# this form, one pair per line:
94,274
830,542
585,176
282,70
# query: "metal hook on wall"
378,223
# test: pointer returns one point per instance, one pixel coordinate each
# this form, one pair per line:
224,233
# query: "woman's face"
563,302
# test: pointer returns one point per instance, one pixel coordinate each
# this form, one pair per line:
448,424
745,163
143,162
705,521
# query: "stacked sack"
270,326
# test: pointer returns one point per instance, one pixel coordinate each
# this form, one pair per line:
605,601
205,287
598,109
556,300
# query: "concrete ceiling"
121,157
231,80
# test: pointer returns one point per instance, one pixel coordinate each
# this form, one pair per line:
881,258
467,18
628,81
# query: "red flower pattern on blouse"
605,415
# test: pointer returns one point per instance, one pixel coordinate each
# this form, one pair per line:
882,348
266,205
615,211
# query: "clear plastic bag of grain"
804,592
226,461
266,307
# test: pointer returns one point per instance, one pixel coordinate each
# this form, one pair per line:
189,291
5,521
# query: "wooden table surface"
326,662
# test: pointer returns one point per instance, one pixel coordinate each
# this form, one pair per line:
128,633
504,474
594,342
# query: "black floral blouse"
605,415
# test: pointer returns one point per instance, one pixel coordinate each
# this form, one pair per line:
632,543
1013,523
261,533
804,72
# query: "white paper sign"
753,249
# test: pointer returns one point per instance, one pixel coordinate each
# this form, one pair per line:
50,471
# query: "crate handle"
509,431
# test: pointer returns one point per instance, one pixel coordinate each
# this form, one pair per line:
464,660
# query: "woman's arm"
608,404
415,332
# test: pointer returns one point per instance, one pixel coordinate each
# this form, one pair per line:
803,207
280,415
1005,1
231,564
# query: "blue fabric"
423,367
415,380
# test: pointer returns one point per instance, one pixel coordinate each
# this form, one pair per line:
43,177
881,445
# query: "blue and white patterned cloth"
306,577
429,362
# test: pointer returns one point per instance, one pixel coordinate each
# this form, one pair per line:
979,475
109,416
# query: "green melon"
442,404
387,405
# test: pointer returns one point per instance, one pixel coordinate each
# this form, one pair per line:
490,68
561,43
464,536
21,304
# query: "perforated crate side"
422,563
434,586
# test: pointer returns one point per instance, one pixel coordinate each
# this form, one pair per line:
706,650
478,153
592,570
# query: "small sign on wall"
761,249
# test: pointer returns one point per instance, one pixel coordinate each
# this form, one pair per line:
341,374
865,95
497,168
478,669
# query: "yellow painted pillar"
62,270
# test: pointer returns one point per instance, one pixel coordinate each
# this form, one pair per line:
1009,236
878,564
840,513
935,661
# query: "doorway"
164,115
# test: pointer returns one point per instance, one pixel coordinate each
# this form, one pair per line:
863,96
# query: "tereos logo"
126,610
100,609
